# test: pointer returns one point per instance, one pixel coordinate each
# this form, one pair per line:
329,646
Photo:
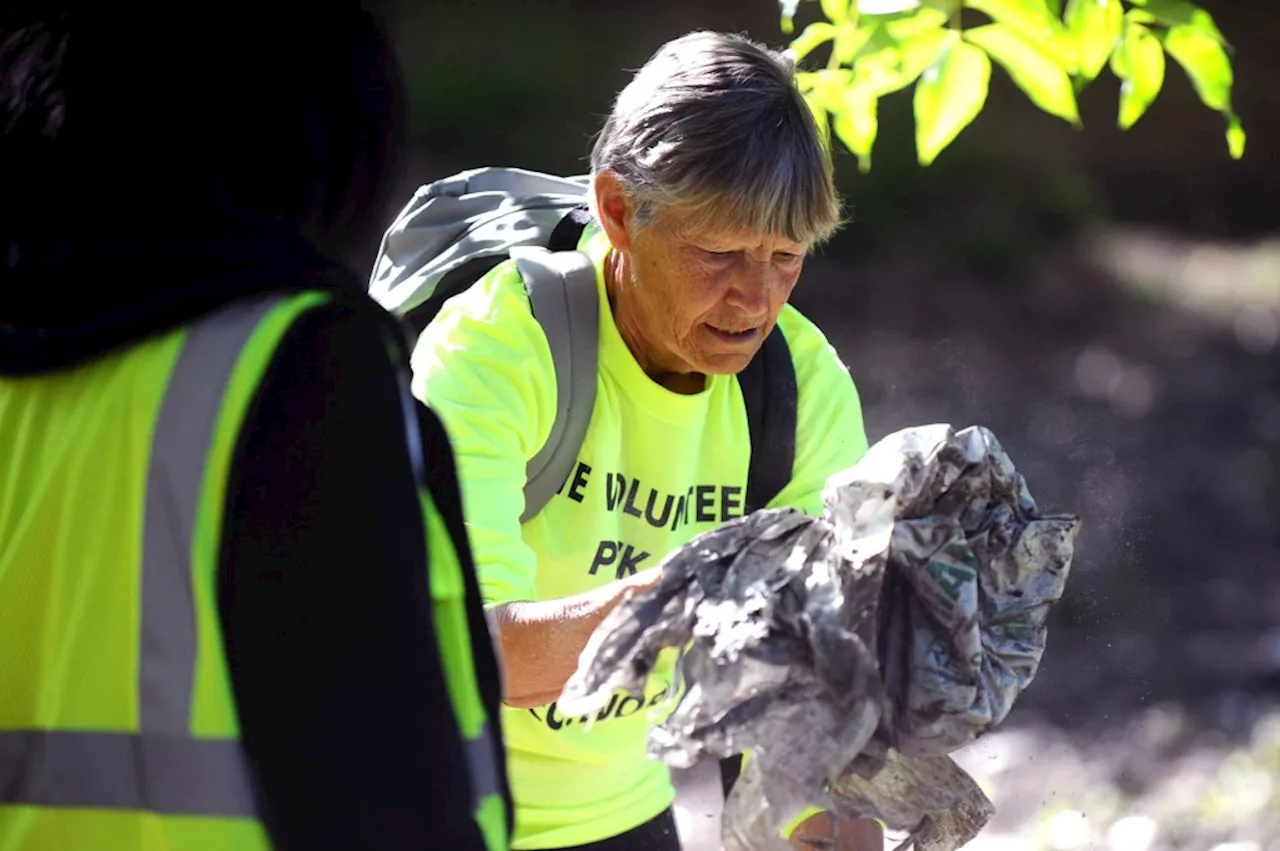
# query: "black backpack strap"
454,282
569,230
769,393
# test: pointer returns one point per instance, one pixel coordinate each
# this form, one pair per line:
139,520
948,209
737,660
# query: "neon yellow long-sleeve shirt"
656,469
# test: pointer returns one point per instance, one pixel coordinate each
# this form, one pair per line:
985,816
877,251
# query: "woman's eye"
787,259
721,260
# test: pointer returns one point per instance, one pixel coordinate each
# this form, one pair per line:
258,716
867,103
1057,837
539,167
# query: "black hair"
148,127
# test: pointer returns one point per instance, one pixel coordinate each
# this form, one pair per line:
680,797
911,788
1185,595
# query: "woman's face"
696,300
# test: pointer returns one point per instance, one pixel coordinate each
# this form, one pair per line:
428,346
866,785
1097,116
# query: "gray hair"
715,125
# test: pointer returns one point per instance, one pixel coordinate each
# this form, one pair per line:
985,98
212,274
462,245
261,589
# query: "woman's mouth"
735,335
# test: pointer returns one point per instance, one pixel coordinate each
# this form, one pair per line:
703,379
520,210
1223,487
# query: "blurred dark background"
1107,302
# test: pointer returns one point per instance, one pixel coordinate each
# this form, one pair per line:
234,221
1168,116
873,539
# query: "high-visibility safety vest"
118,727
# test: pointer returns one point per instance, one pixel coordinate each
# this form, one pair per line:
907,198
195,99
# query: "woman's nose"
750,291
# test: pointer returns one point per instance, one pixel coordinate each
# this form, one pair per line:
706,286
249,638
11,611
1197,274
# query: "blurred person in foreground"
710,184
236,603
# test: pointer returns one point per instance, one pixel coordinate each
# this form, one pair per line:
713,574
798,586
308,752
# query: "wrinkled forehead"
725,227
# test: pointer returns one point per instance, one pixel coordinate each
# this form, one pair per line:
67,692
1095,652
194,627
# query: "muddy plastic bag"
849,654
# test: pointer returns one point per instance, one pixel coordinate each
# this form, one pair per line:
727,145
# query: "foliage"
1051,49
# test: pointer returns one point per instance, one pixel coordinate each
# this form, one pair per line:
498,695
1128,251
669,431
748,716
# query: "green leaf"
1055,7
1235,136
1033,20
916,23
817,33
821,123
1205,62
849,40
1095,26
949,96
788,15
880,40
886,7
825,88
886,64
856,124
1040,77
836,10
920,51
1173,13
1139,63
877,67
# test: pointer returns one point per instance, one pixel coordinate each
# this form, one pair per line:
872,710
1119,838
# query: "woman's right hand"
540,642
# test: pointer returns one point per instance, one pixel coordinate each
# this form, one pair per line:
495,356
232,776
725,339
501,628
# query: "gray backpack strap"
562,293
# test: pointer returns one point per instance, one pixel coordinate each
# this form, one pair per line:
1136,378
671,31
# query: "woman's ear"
613,208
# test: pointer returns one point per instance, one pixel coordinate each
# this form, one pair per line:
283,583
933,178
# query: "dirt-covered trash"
849,654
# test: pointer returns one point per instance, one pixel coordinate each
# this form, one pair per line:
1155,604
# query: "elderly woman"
710,185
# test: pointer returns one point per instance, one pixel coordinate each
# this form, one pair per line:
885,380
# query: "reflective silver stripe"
179,449
483,757
162,768
170,776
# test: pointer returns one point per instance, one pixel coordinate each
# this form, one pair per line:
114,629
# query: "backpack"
454,230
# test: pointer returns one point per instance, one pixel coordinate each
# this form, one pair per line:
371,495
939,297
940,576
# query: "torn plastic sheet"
850,654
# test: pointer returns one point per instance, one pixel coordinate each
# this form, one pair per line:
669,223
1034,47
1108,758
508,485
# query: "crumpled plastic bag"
849,654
